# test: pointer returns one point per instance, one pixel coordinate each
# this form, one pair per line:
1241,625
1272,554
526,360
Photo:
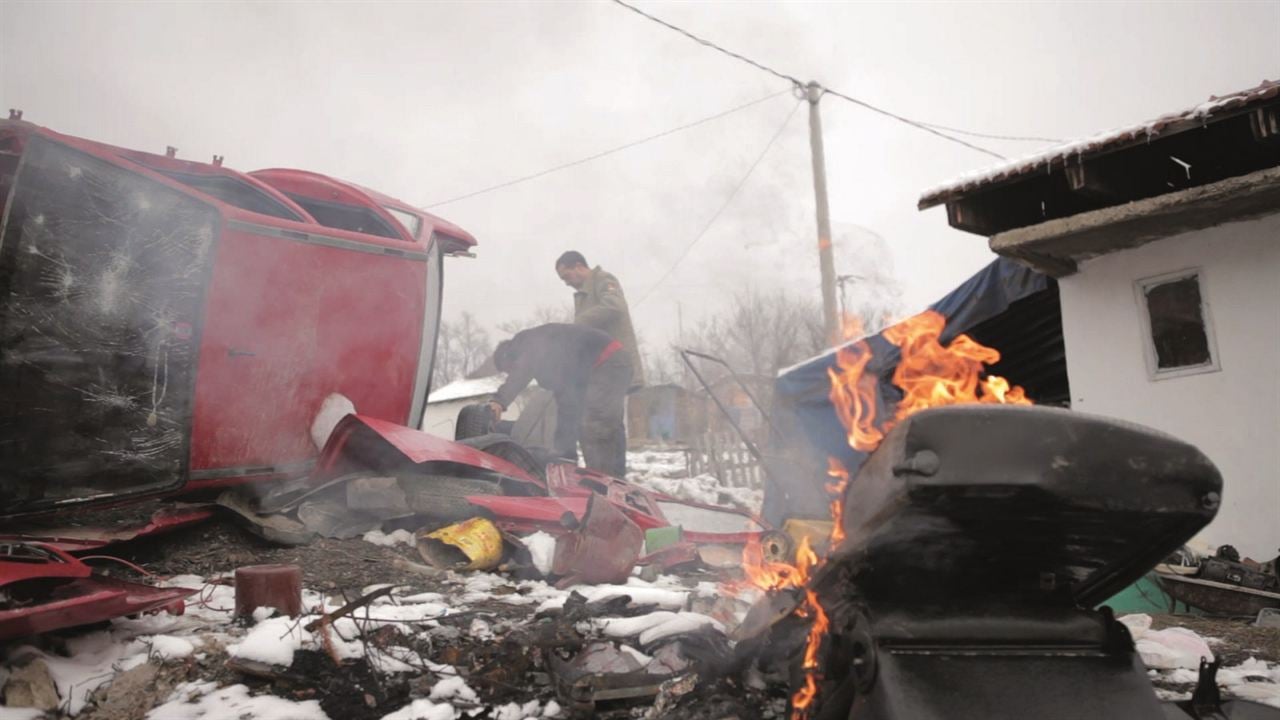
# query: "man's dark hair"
570,259
503,355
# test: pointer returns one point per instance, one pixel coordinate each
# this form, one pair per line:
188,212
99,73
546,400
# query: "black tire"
443,498
473,421
502,446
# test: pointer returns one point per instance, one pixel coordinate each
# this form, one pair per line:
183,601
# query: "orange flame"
929,374
836,491
770,576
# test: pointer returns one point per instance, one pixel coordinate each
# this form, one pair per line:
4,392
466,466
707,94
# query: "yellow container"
473,544
818,532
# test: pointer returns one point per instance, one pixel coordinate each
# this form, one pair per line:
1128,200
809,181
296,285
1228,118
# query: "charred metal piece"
978,540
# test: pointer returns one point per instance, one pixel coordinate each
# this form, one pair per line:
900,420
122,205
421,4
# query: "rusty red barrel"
273,586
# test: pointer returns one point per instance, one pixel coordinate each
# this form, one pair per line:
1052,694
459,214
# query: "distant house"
1165,242
665,413
443,404
441,414
736,397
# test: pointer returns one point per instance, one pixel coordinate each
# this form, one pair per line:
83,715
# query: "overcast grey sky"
427,101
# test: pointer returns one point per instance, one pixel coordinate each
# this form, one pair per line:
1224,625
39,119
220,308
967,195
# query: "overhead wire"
914,123
604,153
724,206
933,128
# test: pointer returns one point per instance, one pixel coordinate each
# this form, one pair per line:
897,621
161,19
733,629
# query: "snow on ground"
391,539
1172,656
666,471
486,605
542,548
205,701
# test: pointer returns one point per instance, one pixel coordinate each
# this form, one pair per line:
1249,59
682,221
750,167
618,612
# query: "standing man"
588,372
598,302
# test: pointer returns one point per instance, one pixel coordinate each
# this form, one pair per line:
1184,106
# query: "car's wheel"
504,447
473,421
442,497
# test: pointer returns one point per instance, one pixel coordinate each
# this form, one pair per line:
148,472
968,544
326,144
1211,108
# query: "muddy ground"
1233,640
507,663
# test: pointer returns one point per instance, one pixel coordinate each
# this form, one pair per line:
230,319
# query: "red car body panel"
83,539
74,596
290,312
414,446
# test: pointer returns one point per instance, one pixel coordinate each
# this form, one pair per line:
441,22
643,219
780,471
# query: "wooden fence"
724,455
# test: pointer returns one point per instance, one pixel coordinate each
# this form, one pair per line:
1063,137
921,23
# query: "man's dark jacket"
558,355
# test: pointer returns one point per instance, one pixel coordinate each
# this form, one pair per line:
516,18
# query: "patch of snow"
262,613
682,623
542,548
666,472
335,407
551,710
272,641
92,660
170,647
422,709
1267,693
636,655
516,711
391,539
1138,624
480,630
453,687
1172,648
632,626
8,713
235,703
463,389
640,595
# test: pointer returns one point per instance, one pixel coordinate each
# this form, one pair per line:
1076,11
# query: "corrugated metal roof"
1106,141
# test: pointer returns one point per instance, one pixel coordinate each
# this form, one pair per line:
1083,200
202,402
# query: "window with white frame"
1175,317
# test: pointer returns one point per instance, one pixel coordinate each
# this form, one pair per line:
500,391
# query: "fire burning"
929,375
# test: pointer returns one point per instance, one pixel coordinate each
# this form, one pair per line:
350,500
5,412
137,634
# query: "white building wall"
1232,414
440,418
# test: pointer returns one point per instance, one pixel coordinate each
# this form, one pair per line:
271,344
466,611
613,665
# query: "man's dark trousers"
594,416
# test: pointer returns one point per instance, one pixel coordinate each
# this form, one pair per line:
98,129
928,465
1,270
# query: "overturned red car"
170,327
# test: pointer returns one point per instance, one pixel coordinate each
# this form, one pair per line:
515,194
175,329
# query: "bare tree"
761,333
462,347
540,315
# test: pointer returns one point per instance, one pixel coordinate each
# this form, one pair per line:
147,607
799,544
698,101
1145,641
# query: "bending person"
588,372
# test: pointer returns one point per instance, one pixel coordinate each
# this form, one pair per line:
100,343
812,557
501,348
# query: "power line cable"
932,128
610,151
724,206
702,41
913,123
994,136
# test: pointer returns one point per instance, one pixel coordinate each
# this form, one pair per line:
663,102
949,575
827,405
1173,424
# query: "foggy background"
429,101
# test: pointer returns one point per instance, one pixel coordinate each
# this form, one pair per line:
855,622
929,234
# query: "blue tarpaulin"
803,409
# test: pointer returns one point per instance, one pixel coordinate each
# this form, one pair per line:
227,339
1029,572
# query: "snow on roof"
1056,155
462,389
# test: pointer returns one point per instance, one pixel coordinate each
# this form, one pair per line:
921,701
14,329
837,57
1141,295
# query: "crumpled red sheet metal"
603,549
47,589
368,436
89,537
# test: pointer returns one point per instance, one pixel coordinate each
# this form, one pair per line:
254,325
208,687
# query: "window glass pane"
234,192
411,222
346,217
1177,324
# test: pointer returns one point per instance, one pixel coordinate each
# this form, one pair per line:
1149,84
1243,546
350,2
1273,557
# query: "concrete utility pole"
831,322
